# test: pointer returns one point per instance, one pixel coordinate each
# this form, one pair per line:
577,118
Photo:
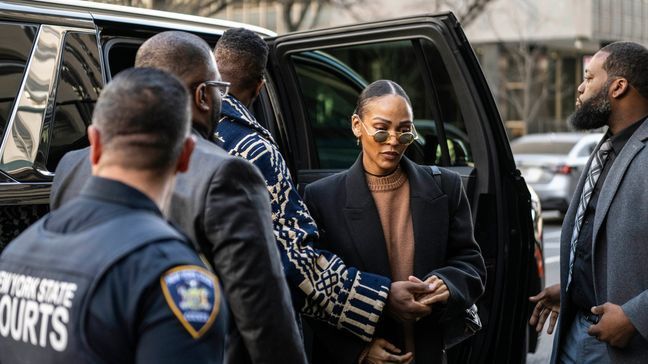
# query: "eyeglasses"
381,136
221,86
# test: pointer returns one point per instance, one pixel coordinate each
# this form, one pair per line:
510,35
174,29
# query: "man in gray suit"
602,299
223,205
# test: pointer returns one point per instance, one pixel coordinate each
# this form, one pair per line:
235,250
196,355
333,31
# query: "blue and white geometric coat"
321,285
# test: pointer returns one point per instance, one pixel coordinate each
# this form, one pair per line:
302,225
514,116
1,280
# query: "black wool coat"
350,227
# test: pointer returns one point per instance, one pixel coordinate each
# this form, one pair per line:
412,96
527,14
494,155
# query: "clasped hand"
381,351
408,301
411,300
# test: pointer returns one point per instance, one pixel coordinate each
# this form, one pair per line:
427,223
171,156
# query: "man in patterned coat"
321,285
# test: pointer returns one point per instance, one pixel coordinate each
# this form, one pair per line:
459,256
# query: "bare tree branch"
473,10
302,15
527,63
288,7
466,11
216,6
220,5
295,14
317,12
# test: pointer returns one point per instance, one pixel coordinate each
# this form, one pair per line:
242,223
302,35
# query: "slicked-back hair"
630,61
179,53
241,56
143,117
377,89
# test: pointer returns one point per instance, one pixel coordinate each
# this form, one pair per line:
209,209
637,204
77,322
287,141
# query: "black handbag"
457,330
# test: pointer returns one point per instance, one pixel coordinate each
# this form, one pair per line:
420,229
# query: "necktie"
598,162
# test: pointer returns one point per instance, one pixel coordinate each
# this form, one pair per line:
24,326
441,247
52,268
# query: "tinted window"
15,46
77,90
121,55
330,90
331,79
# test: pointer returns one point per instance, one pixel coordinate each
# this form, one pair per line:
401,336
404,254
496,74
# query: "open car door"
315,78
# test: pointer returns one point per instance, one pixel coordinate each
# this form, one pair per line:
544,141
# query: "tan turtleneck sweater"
391,194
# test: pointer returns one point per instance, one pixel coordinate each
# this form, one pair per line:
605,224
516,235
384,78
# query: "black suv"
55,58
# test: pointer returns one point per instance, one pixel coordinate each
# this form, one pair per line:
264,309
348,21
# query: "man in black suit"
223,205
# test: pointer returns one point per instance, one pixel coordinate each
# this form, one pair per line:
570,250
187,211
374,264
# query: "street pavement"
552,224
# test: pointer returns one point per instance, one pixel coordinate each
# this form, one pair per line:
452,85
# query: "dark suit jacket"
349,223
619,247
222,204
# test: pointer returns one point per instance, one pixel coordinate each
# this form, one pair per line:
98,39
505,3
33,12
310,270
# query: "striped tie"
598,162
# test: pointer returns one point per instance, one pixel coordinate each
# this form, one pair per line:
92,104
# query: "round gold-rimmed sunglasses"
381,136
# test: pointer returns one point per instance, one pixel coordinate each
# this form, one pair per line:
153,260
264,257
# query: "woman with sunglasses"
388,215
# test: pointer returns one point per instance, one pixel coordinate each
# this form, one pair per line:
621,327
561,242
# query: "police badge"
193,294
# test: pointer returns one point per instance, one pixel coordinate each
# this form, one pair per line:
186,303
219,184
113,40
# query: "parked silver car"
551,163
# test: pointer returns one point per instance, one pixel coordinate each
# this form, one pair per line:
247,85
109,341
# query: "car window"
16,41
77,90
331,80
329,95
541,147
121,54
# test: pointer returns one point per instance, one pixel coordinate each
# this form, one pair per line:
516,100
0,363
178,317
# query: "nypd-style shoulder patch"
193,295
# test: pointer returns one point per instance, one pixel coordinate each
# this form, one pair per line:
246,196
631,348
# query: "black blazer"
222,203
349,224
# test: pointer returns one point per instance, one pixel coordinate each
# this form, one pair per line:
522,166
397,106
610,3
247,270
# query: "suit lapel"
428,212
362,218
615,176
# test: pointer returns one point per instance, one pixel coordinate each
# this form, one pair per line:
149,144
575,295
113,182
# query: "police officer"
105,278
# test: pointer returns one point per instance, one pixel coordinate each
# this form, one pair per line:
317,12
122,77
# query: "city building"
533,52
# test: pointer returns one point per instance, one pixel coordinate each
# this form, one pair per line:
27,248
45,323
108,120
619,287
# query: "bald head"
184,55
189,58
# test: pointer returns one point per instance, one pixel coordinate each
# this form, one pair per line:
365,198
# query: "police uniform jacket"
105,279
